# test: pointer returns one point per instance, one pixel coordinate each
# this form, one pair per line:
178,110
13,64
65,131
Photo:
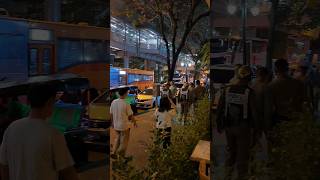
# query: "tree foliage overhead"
196,45
30,9
299,14
94,12
174,20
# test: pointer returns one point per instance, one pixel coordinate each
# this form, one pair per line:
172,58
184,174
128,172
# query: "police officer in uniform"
283,96
184,102
236,115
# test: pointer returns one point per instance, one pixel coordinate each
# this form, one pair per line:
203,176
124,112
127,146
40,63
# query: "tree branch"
188,30
162,31
197,19
174,26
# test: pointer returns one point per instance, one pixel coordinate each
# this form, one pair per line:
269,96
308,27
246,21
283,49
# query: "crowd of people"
249,110
166,111
187,95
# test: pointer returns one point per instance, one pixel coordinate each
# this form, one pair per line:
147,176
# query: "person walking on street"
173,92
236,115
32,149
199,90
259,86
316,89
302,75
191,97
184,102
121,114
164,116
283,96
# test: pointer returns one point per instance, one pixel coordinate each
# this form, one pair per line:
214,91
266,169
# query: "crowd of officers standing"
187,95
249,110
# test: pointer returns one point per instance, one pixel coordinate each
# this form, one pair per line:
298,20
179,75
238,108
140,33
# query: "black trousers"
238,151
174,100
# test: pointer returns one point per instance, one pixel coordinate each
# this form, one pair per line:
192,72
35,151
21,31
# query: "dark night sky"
94,12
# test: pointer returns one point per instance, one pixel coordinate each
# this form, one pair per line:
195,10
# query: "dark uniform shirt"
283,98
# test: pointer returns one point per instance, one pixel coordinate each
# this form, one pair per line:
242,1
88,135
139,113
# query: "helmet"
244,72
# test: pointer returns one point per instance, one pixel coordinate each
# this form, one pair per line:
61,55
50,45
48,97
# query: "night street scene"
159,89
265,114
160,51
53,61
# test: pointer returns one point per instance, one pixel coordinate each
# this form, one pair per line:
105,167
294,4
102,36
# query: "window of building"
71,52
46,61
33,62
95,51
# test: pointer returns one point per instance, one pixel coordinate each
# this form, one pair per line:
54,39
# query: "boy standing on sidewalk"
121,114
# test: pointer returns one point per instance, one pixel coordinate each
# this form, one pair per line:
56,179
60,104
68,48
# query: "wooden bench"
201,153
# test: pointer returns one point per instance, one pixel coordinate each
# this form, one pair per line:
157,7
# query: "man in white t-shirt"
31,148
121,114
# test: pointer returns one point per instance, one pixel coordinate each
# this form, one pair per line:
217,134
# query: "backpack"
165,93
236,107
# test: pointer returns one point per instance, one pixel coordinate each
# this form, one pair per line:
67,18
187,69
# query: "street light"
186,66
232,9
255,11
244,29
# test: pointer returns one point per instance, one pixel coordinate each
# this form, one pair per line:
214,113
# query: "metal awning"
60,81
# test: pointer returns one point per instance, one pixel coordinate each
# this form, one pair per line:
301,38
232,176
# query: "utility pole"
273,24
244,29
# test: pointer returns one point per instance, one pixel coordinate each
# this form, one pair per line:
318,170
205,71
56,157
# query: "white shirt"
164,119
33,150
120,111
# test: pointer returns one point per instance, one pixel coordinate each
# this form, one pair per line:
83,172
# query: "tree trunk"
170,75
173,66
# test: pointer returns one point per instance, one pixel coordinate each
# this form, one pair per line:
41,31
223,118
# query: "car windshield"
105,98
147,92
133,90
176,76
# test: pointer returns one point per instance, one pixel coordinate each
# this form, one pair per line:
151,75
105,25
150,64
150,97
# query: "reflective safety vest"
236,104
165,93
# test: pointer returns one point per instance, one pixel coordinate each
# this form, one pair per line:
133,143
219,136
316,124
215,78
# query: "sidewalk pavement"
139,138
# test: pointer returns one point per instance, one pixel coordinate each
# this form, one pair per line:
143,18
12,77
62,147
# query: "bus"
31,48
126,76
142,78
228,50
